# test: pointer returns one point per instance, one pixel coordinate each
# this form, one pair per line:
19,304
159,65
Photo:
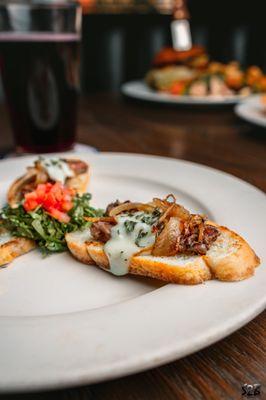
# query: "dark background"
118,48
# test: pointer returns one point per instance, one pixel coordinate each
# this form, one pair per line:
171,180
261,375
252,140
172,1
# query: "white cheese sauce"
5,237
57,169
128,237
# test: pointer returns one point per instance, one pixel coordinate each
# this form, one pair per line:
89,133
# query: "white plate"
139,90
63,323
251,110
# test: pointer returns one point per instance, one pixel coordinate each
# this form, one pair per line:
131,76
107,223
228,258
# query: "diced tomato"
178,88
67,205
61,216
54,198
30,205
31,196
41,189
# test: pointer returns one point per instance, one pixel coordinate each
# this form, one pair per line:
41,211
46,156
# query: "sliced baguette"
76,242
187,270
79,183
230,258
14,248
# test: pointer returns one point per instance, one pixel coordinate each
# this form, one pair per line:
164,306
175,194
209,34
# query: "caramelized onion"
201,232
175,210
170,208
161,204
131,206
100,219
170,196
15,191
180,212
165,244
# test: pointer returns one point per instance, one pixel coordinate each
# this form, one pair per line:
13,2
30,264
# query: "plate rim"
241,111
129,89
155,359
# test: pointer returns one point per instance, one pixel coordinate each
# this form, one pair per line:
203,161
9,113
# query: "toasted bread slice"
187,270
37,174
13,248
97,254
79,183
230,258
76,242
182,269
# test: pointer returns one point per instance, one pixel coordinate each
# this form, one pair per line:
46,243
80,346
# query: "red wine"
40,74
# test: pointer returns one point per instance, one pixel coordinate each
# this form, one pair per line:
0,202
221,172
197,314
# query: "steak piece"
196,236
101,231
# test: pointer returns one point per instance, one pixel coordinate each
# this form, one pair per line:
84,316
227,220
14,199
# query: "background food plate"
139,90
63,323
251,110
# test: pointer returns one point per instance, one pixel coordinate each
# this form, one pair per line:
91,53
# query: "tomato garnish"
178,88
56,199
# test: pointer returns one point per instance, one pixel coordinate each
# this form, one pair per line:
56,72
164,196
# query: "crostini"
12,247
73,173
164,241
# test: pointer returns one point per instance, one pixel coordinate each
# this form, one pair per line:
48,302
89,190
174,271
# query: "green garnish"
141,235
83,209
130,226
150,219
48,232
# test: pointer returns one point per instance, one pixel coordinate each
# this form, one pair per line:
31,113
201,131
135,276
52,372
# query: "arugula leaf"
83,209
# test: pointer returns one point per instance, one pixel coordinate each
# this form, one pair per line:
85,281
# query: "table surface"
210,136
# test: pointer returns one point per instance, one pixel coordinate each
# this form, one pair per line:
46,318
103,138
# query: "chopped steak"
186,236
101,231
196,236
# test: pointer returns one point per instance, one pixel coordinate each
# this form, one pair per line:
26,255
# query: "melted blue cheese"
128,237
5,237
57,169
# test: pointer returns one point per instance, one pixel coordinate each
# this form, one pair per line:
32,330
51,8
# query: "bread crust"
190,273
79,183
78,249
14,248
97,254
231,258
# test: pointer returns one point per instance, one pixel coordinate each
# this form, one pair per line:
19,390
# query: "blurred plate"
139,90
251,110
64,323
